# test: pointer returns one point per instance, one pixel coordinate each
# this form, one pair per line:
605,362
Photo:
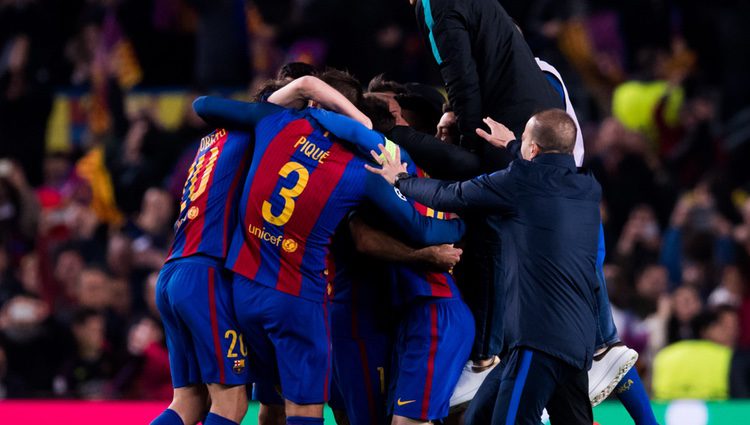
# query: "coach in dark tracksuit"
488,70
550,224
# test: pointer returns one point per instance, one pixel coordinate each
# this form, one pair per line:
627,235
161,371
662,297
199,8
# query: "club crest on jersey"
399,194
239,366
193,212
289,245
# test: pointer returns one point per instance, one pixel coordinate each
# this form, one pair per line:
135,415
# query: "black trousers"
525,383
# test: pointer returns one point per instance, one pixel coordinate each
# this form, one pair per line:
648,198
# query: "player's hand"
392,165
444,256
499,135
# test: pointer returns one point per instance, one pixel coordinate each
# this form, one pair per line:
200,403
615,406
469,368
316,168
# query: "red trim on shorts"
215,324
430,360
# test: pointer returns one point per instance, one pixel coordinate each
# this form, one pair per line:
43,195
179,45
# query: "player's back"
300,185
207,207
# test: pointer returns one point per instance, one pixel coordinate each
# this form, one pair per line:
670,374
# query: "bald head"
553,130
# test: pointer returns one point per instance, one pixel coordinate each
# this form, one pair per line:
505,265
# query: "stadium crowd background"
97,134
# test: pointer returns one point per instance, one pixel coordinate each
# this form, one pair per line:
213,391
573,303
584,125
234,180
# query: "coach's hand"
392,165
499,135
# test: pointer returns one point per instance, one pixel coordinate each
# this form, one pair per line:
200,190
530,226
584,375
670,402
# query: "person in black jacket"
488,71
487,67
550,212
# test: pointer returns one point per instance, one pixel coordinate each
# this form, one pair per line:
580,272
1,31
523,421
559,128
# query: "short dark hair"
267,89
378,112
380,85
554,131
295,70
344,83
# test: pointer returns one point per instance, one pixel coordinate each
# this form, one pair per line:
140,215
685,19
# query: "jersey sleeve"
347,129
418,229
233,114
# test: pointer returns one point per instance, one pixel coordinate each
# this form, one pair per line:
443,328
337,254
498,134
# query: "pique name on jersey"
311,150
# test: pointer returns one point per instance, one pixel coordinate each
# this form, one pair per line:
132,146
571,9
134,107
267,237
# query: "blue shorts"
194,298
432,345
361,364
289,342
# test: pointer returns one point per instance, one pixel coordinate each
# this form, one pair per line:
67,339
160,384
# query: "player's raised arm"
347,129
298,92
234,114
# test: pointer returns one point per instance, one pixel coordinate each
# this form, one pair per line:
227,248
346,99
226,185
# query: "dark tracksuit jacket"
549,217
487,67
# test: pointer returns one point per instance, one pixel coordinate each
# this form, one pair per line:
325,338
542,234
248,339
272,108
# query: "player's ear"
534,150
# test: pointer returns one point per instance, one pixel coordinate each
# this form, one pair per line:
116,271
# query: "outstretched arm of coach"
487,192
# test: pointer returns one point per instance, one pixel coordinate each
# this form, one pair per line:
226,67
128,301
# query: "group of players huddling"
301,278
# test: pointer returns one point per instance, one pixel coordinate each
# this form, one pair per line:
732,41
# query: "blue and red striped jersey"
208,211
413,281
300,185
416,281
410,280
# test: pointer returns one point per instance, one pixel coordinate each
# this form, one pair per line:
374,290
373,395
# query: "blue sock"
214,419
168,417
633,397
303,420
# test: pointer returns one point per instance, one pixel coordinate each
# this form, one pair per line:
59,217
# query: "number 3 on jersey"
288,194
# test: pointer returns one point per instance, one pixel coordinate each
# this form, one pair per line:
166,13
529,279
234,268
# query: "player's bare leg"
228,401
401,420
188,403
271,414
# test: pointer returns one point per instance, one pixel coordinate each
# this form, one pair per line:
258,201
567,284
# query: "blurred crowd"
659,87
